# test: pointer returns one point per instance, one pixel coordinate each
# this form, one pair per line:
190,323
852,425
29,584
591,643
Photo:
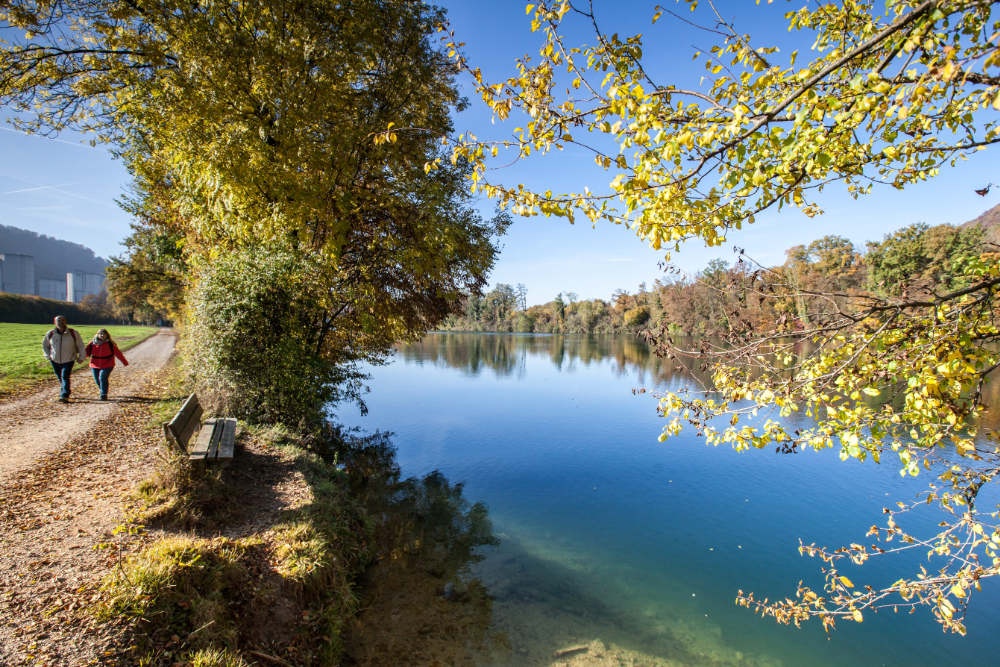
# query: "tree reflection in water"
505,354
419,603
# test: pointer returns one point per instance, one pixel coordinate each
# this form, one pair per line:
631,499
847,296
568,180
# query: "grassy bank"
21,361
304,550
277,587
253,562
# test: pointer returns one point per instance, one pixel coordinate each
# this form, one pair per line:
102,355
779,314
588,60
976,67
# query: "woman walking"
102,352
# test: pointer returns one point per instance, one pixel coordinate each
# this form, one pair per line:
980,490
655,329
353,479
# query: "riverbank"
115,554
301,551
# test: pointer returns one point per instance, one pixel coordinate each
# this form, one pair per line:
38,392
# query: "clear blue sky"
66,189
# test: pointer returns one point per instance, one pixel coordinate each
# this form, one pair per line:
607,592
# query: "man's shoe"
103,397
63,399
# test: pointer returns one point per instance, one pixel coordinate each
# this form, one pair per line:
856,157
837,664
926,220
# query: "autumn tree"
825,271
829,264
149,282
147,285
262,127
559,310
860,95
919,257
522,296
499,306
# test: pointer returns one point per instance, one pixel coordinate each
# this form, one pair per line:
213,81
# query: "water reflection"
506,355
420,604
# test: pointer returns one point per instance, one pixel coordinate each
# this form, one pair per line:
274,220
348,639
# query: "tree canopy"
882,95
258,130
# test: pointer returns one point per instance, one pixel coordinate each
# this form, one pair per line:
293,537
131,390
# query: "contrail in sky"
35,189
55,139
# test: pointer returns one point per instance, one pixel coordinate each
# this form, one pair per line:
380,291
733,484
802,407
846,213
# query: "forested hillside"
918,258
53,257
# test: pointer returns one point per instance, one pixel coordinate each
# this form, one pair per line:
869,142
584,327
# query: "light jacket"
63,347
102,355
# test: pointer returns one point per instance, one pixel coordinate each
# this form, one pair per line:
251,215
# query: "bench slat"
227,440
202,444
213,439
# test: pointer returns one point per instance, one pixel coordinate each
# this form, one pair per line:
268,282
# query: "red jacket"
102,355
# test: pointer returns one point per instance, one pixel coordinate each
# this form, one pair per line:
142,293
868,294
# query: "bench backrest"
179,429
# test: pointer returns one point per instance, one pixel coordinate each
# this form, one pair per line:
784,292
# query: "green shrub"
254,348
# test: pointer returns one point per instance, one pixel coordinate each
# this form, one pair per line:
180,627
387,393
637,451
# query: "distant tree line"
814,281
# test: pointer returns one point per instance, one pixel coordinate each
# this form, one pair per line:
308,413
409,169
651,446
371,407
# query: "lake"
615,548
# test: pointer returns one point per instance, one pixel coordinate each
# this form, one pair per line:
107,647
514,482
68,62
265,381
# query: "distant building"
17,273
52,289
18,276
80,284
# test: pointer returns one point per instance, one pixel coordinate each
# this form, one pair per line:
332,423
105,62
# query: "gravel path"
38,424
64,470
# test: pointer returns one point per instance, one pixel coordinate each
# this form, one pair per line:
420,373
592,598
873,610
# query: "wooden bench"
216,437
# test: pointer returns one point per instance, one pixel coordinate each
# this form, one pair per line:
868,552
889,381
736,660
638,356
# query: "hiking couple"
63,347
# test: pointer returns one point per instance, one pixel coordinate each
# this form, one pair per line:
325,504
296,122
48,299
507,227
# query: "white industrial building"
17,276
80,284
52,289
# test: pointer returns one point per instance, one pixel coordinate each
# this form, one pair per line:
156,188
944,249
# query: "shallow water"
617,549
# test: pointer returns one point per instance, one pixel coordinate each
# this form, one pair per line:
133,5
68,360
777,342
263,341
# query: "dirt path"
35,425
63,472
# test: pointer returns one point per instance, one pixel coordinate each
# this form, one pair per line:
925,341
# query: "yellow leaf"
856,615
846,582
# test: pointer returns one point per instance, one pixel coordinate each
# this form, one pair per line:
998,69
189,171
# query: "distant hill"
53,257
990,221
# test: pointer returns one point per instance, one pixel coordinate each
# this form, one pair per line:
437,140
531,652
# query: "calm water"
607,535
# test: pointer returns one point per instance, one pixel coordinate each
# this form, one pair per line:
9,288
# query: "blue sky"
66,189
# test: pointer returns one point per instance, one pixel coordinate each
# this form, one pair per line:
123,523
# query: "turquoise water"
621,550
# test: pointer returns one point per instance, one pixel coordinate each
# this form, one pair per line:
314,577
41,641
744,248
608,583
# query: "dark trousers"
63,372
101,379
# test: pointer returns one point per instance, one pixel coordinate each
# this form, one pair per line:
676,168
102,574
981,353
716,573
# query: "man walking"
63,347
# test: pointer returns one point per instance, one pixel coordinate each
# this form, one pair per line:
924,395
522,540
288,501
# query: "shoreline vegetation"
911,259
300,588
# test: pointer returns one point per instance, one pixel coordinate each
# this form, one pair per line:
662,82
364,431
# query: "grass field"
21,360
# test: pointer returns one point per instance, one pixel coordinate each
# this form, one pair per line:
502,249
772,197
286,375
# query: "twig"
197,630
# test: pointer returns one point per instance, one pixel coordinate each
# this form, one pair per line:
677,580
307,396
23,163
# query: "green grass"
21,360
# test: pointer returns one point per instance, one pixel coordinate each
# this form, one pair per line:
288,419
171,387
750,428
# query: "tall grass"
21,360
